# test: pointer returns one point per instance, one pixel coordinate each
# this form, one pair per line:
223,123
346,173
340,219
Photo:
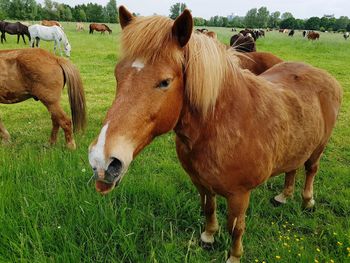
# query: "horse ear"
183,27
125,17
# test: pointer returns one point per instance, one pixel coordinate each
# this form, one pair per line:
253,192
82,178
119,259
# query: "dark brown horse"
100,28
313,35
36,73
234,130
13,29
243,43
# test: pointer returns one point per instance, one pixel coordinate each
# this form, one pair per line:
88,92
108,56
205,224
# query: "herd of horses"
239,117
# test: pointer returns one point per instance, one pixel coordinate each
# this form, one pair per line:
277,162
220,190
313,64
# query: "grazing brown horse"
313,35
36,73
243,43
51,23
13,29
257,62
233,129
99,27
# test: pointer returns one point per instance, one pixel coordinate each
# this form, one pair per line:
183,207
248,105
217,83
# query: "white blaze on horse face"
97,157
138,64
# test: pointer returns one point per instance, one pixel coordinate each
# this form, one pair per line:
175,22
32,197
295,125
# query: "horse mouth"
104,187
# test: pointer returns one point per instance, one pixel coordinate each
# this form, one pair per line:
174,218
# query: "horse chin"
104,187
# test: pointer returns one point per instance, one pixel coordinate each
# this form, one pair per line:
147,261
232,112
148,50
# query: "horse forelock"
206,61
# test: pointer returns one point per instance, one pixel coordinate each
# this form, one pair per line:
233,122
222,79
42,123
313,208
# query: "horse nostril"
115,167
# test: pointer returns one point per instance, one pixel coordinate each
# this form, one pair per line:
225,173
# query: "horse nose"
115,167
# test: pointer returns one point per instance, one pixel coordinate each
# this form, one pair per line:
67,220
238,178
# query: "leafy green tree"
289,23
112,12
274,19
262,17
176,10
313,23
286,15
342,22
199,21
251,18
81,15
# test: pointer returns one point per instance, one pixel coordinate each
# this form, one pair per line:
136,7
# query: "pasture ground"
50,213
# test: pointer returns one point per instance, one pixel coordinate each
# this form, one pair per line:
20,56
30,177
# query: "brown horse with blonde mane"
234,130
51,23
313,35
36,73
100,28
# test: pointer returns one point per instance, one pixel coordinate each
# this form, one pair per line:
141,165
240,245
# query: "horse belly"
12,89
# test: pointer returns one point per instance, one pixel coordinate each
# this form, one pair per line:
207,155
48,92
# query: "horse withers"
36,73
14,29
52,33
234,130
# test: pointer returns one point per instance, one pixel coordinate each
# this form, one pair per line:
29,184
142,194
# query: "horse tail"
75,93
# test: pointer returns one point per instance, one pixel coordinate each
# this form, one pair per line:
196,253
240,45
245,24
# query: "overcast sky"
206,9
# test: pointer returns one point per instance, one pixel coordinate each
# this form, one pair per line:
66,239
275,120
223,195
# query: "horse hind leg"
288,189
4,133
59,117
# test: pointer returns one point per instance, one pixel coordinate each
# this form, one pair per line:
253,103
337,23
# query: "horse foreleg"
288,190
18,36
208,202
237,206
4,133
24,40
60,117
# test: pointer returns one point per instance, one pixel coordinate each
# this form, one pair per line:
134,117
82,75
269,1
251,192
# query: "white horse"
52,33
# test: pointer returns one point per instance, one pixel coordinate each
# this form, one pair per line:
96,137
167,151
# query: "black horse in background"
13,29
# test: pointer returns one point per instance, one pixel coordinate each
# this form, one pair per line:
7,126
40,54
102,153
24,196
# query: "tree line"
31,10
263,18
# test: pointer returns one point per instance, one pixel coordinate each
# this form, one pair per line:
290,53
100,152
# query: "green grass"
50,213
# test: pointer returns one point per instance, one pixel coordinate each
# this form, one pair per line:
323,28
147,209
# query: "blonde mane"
208,64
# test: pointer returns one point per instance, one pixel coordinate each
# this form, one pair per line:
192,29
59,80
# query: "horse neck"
232,102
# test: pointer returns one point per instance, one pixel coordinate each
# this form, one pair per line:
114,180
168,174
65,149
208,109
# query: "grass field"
50,213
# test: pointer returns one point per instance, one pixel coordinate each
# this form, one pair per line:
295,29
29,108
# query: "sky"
207,9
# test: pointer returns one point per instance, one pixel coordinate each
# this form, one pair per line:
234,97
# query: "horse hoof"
233,259
71,145
207,246
309,206
275,203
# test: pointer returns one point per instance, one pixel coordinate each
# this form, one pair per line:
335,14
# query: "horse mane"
106,26
206,61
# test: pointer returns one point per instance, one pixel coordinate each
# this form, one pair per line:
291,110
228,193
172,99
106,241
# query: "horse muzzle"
110,178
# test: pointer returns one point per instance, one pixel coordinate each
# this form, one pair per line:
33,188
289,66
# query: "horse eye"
164,84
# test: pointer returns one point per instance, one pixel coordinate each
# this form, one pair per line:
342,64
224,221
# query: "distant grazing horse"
51,23
313,35
291,33
36,73
304,33
233,129
52,33
249,32
205,31
257,62
99,27
80,26
243,43
13,29
202,30
346,35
